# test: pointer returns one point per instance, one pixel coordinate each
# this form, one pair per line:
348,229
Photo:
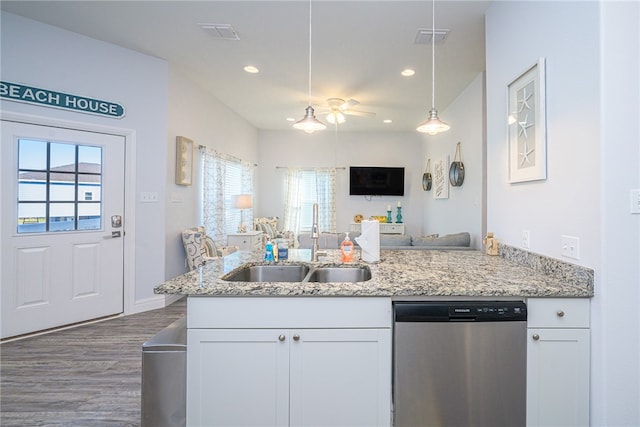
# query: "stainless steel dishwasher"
459,364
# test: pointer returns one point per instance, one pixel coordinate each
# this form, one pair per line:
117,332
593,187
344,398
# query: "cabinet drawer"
391,228
288,312
558,313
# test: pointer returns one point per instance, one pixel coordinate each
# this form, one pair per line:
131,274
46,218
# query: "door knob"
296,337
535,337
281,337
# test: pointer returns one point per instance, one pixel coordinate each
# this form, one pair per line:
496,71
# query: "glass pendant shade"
309,123
336,117
433,125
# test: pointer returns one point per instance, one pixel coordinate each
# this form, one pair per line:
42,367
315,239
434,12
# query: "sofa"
456,241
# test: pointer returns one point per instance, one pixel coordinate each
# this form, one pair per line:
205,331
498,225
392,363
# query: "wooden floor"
88,376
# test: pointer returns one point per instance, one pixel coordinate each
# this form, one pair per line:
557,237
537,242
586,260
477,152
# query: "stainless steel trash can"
164,372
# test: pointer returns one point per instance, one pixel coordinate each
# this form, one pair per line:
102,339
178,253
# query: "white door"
62,226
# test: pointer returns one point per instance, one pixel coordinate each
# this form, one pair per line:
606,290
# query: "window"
224,177
303,189
52,177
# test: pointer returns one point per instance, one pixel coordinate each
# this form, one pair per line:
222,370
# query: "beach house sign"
44,97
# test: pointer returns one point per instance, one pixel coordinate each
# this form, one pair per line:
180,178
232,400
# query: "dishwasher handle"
460,311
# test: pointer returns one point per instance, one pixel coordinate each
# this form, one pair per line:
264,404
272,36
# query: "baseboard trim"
151,303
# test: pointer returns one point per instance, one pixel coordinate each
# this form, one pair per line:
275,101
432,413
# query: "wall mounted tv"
376,181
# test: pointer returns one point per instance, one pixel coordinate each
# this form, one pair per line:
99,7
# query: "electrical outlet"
635,201
570,247
525,239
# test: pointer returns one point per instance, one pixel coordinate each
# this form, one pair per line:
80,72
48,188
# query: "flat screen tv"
376,181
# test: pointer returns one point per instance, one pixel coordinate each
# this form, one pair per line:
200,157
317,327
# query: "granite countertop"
429,273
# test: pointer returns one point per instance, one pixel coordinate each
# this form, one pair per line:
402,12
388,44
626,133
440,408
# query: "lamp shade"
242,201
433,125
309,123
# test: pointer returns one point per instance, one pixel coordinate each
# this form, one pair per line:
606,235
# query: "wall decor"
440,179
527,146
427,178
456,171
184,160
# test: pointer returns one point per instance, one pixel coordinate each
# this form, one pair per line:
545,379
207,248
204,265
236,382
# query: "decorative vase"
399,216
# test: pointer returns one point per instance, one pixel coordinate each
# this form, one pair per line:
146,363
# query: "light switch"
148,197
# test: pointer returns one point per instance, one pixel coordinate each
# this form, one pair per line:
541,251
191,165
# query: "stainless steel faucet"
315,235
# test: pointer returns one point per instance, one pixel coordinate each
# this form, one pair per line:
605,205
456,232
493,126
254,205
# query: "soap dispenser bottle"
346,249
268,251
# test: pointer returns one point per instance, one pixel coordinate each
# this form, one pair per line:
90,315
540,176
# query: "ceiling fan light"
433,125
336,116
309,123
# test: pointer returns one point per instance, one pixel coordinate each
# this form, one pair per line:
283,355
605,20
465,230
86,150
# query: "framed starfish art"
527,128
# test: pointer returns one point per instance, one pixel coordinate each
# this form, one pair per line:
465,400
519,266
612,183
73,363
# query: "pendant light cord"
310,52
433,54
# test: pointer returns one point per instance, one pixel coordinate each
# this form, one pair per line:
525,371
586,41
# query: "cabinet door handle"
296,337
281,338
535,337
560,313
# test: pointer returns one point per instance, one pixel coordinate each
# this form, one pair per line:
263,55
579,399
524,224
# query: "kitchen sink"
268,273
340,274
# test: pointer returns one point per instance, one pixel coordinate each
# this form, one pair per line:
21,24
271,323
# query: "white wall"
195,114
616,323
517,34
329,149
464,209
40,55
593,140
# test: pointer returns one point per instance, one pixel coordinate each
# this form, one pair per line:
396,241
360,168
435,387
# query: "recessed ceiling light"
387,121
251,69
408,72
291,119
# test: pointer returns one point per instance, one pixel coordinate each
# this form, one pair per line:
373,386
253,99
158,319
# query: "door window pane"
63,157
49,174
32,186
32,155
89,216
89,159
32,217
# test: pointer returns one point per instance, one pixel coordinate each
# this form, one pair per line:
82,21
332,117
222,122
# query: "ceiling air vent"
220,31
424,35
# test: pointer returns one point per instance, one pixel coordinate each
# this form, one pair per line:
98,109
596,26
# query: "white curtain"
293,200
223,177
298,200
326,195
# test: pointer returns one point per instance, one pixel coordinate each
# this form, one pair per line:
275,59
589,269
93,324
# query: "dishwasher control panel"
465,311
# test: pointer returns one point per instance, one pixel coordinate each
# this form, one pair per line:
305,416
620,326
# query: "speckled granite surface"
429,273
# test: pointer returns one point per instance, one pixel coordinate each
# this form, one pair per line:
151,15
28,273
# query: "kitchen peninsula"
314,353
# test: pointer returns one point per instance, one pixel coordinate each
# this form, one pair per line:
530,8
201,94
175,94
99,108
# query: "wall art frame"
441,178
527,128
184,161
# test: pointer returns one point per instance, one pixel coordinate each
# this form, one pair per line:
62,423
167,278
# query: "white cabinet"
558,362
385,228
317,363
249,241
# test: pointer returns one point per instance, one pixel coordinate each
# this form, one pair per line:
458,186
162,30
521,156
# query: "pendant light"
309,123
433,125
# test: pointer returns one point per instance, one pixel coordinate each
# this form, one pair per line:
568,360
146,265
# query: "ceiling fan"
338,108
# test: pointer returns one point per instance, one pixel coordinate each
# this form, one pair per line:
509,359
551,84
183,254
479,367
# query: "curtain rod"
310,169
204,147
